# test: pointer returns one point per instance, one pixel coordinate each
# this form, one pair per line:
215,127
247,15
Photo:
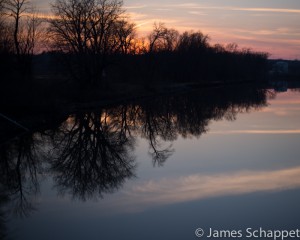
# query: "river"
220,159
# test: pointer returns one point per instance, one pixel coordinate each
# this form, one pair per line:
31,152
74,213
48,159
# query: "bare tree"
16,9
171,39
219,48
2,15
139,46
6,41
70,28
232,47
92,30
125,33
5,38
158,32
191,41
162,38
33,33
106,15
19,31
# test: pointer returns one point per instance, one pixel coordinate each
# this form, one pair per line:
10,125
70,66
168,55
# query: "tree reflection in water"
20,165
92,151
3,214
91,155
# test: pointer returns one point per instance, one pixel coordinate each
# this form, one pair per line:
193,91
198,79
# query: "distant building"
280,86
280,68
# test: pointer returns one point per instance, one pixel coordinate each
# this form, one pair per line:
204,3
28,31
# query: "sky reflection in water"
165,169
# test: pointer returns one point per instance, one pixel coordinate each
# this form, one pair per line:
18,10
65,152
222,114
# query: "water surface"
158,168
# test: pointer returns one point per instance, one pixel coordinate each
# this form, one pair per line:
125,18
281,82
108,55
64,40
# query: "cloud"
289,101
276,10
197,187
197,13
282,110
186,5
233,8
135,7
163,9
136,16
280,131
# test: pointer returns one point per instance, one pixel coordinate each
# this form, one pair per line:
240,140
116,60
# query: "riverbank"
43,95
44,109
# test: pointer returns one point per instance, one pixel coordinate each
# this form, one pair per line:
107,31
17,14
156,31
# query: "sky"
271,26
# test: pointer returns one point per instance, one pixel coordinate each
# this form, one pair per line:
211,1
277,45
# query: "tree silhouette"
91,31
162,39
19,33
192,41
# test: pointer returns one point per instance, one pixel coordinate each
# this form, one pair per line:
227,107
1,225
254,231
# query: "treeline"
189,57
95,43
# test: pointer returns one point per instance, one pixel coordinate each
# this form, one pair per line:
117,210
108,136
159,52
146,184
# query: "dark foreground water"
225,159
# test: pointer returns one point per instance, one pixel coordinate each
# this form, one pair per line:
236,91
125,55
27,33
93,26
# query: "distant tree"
125,33
192,41
231,47
158,32
171,39
219,48
140,46
162,39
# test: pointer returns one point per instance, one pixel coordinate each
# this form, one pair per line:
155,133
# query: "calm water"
228,159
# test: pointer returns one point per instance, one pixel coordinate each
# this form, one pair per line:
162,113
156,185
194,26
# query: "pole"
14,122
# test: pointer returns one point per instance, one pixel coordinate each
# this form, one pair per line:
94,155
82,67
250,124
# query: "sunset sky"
264,25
